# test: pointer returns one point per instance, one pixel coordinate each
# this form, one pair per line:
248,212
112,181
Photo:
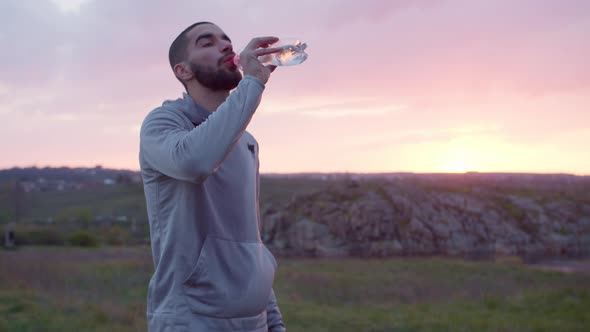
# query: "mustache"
226,57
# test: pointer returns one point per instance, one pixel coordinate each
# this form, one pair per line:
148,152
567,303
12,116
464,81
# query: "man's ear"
183,72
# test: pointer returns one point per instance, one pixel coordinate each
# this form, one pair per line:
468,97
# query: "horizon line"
322,172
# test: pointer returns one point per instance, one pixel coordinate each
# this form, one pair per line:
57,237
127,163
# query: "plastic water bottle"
293,53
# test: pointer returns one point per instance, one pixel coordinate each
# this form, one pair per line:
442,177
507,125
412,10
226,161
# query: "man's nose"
226,46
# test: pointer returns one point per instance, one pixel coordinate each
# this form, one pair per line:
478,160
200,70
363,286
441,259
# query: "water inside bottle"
293,53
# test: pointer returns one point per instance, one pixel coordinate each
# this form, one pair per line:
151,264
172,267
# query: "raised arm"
192,155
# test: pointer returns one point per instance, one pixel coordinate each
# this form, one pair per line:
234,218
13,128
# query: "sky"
389,86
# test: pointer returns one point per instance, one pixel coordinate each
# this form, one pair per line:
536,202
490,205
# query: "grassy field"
123,200
104,289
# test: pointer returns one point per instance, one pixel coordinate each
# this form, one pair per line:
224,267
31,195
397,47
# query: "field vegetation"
104,289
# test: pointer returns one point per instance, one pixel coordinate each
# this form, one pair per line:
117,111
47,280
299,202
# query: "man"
200,172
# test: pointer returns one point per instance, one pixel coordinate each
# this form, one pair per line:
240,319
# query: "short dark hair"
177,51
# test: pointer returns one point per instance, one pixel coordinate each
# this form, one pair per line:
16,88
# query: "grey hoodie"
201,184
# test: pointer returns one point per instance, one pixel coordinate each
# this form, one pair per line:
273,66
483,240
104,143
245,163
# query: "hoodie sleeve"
192,155
274,319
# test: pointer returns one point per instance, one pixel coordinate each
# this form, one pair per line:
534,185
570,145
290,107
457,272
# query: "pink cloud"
519,65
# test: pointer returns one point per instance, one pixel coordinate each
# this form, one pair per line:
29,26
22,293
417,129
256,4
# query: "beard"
216,79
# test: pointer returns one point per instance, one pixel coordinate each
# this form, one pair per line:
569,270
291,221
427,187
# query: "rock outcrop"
385,218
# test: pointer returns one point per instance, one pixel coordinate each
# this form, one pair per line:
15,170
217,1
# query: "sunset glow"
389,86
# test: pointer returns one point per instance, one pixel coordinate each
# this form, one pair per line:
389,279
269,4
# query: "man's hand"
249,57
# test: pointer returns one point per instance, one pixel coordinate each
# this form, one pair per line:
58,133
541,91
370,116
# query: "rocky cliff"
471,215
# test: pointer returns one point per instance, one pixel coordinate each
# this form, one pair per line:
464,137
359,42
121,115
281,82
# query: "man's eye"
207,44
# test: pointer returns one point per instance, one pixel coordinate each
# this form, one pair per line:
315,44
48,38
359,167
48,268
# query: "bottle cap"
236,60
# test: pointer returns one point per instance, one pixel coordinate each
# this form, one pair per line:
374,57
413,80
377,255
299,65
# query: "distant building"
29,186
122,219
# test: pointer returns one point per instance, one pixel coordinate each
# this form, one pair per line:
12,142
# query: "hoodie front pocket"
231,279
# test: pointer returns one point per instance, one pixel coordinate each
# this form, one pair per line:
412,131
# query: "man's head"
204,53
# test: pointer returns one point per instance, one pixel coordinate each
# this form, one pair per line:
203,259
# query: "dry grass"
106,283
104,290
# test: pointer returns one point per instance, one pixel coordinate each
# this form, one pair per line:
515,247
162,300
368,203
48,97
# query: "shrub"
83,239
38,236
115,235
